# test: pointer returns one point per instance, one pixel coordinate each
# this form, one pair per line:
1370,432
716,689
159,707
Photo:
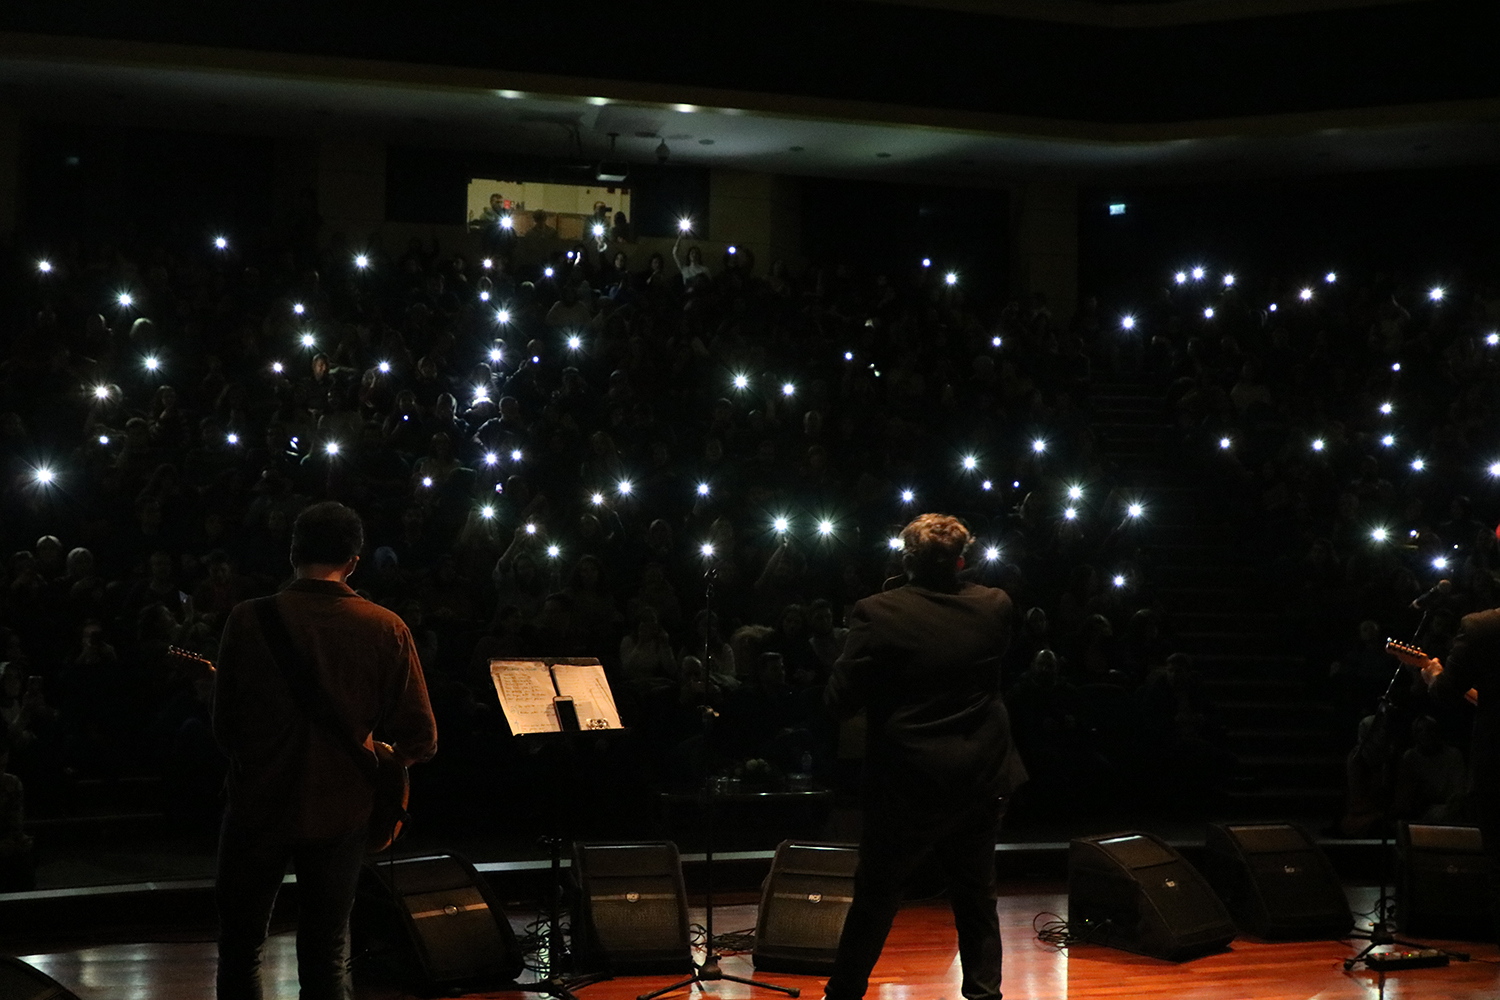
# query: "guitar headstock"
1406,653
188,658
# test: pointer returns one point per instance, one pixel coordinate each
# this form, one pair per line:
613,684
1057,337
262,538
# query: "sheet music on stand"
538,694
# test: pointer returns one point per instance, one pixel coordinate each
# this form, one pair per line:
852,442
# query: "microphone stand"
710,971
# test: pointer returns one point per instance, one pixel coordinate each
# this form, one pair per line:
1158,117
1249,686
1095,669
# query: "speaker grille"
633,906
803,906
1441,886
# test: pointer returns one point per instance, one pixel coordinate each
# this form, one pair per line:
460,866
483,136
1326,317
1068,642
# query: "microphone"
1437,591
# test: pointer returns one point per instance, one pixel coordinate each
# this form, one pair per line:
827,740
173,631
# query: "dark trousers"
889,852
250,870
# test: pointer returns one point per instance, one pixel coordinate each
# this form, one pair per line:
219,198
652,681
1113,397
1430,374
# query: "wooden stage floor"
920,963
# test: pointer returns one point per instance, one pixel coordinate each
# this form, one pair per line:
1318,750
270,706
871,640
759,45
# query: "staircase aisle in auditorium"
1221,612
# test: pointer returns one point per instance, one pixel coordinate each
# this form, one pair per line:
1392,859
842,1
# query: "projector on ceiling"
612,173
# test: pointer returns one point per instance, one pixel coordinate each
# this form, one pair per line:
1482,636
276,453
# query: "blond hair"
932,545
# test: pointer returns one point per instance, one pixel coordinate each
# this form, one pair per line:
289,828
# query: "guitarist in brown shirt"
301,780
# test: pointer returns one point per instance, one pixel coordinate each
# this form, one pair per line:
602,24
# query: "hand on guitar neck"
1430,666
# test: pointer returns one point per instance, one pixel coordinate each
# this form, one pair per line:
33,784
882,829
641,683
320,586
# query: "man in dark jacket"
1472,672
296,794
924,662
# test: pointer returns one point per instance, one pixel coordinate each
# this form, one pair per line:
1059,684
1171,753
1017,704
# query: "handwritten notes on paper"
528,690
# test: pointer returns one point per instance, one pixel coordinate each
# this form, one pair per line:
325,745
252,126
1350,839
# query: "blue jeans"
249,876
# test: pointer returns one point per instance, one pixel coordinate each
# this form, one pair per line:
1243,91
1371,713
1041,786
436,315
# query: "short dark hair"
327,533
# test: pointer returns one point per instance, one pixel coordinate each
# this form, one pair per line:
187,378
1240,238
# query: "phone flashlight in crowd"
992,553
908,496
1180,277
220,243
308,340
781,525
624,487
1395,366
741,381
1492,339
987,485
332,448
44,266
1436,294
481,394
1228,281
825,527
598,230
277,367
547,272
488,263
1070,513
1208,312
995,341
1075,492
515,454
1272,307
506,222
1379,535
101,392
1305,295
1225,444
1418,464
926,261
495,351
575,342
361,261
597,499
848,355
703,489
536,359
570,255
45,476
733,250
1318,444
1135,510
554,550
1386,408
298,308
385,367
530,527
950,279
490,458
427,482
1038,446
486,512
232,438
1388,440
684,225
970,463
104,439
484,296
707,550
894,543
1119,580
788,389
152,362
1127,322
1331,277
125,299
1198,273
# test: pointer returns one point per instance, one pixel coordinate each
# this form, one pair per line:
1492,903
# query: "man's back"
295,776
926,665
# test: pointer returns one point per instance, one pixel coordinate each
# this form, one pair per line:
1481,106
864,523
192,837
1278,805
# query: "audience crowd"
551,458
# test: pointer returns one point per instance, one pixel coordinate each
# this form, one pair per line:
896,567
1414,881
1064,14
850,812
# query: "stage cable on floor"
1057,932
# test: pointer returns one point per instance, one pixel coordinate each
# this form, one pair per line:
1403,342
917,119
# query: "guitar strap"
316,704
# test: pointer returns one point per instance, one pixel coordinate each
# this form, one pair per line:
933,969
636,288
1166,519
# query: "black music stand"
558,749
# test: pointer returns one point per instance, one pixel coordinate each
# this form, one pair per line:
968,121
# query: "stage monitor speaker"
631,913
19,981
1132,891
1276,881
436,923
1441,882
802,906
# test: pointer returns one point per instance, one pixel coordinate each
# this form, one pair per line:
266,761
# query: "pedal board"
1385,961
